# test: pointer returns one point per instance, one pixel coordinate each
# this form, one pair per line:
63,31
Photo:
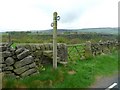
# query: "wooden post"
55,40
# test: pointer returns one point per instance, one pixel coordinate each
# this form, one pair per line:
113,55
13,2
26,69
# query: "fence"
88,49
76,51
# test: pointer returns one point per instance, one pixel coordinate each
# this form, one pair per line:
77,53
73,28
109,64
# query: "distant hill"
85,30
93,30
101,30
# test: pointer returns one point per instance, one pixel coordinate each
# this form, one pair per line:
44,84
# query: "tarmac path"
108,83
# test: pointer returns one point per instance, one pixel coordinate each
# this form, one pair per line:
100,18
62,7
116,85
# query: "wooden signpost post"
54,25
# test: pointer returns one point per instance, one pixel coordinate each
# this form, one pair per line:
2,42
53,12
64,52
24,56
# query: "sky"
25,15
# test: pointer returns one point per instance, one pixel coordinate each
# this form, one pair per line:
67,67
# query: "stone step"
48,53
62,62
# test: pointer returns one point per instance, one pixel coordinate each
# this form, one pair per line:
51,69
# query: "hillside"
93,30
63,31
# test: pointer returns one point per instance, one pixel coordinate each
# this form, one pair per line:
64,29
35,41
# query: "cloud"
37,14
105,15
69,10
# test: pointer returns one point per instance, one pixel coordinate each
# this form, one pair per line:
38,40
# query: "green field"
24,37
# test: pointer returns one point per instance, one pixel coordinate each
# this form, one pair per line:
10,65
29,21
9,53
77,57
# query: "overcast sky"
37,14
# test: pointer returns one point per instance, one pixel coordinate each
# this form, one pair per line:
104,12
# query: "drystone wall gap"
43,53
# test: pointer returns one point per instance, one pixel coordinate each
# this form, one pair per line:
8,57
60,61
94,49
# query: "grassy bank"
77,74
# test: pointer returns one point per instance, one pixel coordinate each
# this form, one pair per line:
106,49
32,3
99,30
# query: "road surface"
107,82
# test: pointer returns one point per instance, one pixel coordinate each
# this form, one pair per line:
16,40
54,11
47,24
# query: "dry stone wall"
43,53
93,49
24,60
17,62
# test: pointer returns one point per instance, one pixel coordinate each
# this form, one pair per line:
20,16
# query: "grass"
85,74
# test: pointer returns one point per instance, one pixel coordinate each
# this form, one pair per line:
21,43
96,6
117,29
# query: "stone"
23,54
2,65
42,47
32,65
37,59
19,50
29,72
27,47
1,60
63,63
9,61
15,57
23,62
37,47
47,47
2,48
6,54
0,55
33,48
0,70
17,77
58,46
51,46
82,58
48,53
46,60
12,50
38,54
7,68
3,44
19,46
7,72
36,73
10,75
21,69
